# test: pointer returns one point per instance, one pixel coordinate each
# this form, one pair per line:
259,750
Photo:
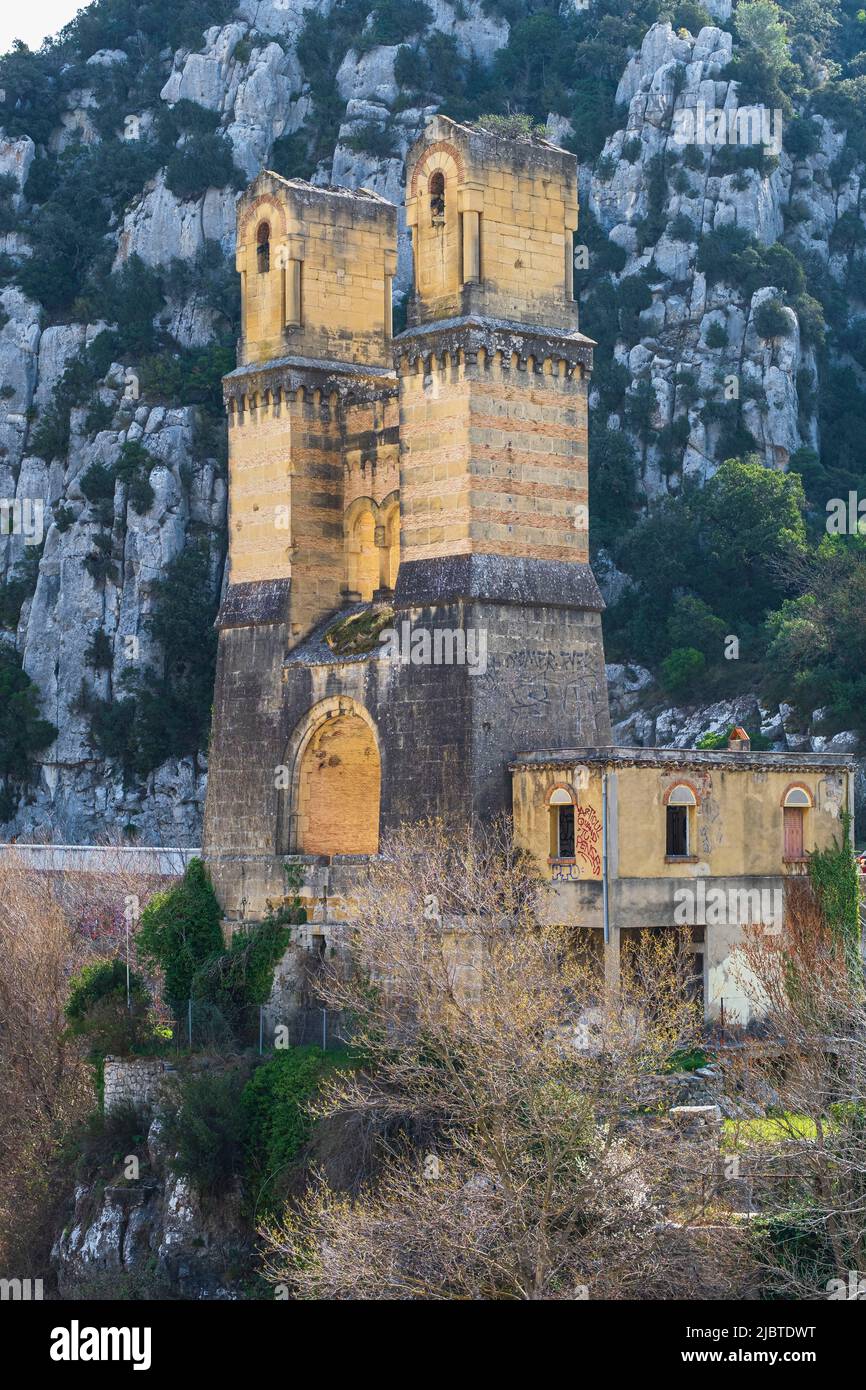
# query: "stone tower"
436,481
493,448
314,394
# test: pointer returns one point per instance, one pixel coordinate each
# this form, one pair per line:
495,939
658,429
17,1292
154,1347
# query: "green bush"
681,669
237,981
105,1140
682,228
693,624
180,930
97,484
717,335
19,586
395,20
208,1132
690,15
771,320
97,1009
203,161
100,653
612,485
275,1102
631,149
835,876
131,297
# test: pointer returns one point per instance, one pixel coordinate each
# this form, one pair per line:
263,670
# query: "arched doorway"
337,781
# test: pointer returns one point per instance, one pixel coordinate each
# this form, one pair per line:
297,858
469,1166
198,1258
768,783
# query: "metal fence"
202,1027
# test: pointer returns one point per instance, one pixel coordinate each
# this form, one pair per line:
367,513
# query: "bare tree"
527,1153
809,1163
44,1083
50,925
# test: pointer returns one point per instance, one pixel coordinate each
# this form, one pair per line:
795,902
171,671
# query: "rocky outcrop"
144,1233
77,795
668,87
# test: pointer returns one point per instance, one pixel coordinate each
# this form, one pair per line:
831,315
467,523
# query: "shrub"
105,1140
97,484
682,228
371,138
515,126
132,468
100,653
132,298
290,154
682,668
612,485
208,1132
801,136
19,586
275,1102
717,335
693,624
180,930
395,20
835,877
100,563
203,161
691,16
23,731
237,981
97,1009
605,168
772,320
631,149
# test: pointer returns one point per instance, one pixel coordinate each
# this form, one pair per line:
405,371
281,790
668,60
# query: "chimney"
738,740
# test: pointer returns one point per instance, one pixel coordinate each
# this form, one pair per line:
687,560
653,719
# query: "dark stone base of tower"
446,733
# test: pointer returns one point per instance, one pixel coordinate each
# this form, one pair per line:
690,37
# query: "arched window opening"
263,247
437,197
795,807
679,828
561,804
798,796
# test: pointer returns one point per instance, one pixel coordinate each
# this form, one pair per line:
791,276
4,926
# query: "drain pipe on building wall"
605,916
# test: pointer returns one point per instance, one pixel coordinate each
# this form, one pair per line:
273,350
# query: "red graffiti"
587,837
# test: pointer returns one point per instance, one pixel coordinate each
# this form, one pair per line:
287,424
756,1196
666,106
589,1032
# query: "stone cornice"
683,758
287,375
471,334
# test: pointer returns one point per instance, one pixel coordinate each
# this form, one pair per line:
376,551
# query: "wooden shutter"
793,832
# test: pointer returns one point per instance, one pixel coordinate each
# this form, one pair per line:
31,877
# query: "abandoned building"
411,626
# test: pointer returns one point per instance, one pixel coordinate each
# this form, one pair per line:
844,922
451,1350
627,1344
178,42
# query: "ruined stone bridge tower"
435,481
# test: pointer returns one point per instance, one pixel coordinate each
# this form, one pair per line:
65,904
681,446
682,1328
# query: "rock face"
668,89
147,1235
248,75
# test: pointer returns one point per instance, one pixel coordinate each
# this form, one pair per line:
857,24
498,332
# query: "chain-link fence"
201,1026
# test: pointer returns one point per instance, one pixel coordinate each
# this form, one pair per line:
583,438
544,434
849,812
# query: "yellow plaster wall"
739,819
